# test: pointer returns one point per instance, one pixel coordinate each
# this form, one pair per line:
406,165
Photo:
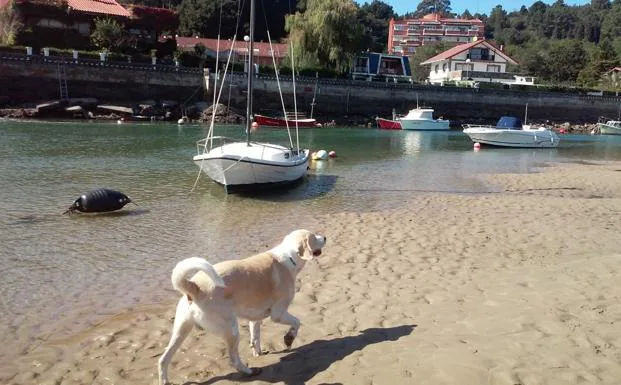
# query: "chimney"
502,48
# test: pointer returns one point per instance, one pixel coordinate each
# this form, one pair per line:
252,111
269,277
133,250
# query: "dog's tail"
186,269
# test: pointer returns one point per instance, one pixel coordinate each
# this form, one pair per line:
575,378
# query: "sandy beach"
515,287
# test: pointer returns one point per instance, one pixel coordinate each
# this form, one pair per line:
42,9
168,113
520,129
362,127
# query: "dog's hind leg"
255,337
181,328
231,334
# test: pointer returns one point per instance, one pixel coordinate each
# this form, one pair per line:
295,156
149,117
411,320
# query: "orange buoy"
332,154
477,145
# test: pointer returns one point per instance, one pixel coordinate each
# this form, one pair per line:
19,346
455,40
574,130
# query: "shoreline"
29,114
514,287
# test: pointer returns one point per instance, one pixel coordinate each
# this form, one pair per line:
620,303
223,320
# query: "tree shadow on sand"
303,363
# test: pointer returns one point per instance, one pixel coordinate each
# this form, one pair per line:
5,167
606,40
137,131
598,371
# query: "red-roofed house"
69,23
479,60
405,35
262,51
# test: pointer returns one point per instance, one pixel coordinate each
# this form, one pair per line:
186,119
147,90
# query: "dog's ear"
305,250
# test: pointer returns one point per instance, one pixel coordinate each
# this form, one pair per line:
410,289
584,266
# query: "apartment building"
405,35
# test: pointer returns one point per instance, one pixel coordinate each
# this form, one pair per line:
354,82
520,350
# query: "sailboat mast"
250,73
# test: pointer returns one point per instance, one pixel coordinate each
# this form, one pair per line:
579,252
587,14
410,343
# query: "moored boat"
609,127
509,132
387,124
269,121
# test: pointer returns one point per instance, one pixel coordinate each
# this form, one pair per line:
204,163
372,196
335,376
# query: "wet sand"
515,287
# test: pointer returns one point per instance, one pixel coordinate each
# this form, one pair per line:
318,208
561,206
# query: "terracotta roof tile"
260,48
99,7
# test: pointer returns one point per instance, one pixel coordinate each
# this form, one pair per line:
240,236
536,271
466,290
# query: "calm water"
70,271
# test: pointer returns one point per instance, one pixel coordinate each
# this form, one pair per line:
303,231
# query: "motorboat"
248,165
509,132
608,127
419,119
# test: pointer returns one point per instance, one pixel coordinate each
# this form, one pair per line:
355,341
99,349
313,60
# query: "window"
437,67
444,67
400,27
493,68
479,54
464,67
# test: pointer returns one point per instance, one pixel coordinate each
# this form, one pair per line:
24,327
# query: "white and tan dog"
253,288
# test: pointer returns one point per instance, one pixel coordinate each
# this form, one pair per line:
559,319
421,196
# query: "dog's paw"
253,372
288,338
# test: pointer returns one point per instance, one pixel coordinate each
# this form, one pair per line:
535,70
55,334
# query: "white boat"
609,127
248,165
509,132
421,118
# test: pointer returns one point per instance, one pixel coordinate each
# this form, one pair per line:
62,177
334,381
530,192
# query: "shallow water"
61,273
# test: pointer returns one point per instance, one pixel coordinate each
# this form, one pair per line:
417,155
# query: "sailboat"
248,165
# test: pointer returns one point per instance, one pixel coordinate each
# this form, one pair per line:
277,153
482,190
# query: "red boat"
388,124
263,120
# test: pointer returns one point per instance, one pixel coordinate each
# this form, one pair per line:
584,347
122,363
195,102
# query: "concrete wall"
35,79
378,99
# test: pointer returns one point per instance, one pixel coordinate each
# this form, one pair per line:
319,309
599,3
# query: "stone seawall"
31,80
458,104
36,79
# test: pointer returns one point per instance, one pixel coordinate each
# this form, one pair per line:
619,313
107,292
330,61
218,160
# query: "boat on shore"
246,165
509,132
608,127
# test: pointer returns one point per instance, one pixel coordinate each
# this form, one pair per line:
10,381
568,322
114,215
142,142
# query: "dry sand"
516,287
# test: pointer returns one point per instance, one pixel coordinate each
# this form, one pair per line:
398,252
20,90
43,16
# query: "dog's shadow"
302,363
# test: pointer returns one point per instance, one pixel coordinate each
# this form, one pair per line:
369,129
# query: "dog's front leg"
287,319
255,337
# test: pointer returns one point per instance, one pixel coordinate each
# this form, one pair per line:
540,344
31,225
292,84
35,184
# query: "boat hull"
263,120
608,129
387,124
261,166
513,138
425,125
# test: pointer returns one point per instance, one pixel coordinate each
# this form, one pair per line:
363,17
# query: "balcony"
434,32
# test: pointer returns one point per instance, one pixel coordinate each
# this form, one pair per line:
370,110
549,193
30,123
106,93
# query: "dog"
255,288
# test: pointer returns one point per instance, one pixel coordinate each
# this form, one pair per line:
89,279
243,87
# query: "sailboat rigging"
249,165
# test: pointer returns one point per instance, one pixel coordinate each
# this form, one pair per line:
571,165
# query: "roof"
4,3
432,18
260,48
449,53
98,7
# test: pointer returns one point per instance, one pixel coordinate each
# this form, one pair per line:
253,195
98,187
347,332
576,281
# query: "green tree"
566,59
9,25
426,7
611,25
497,23
107,33
208,18
375,19
327,34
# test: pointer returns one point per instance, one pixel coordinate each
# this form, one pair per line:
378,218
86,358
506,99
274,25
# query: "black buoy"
100,200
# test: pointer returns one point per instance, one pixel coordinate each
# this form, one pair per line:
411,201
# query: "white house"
479,60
